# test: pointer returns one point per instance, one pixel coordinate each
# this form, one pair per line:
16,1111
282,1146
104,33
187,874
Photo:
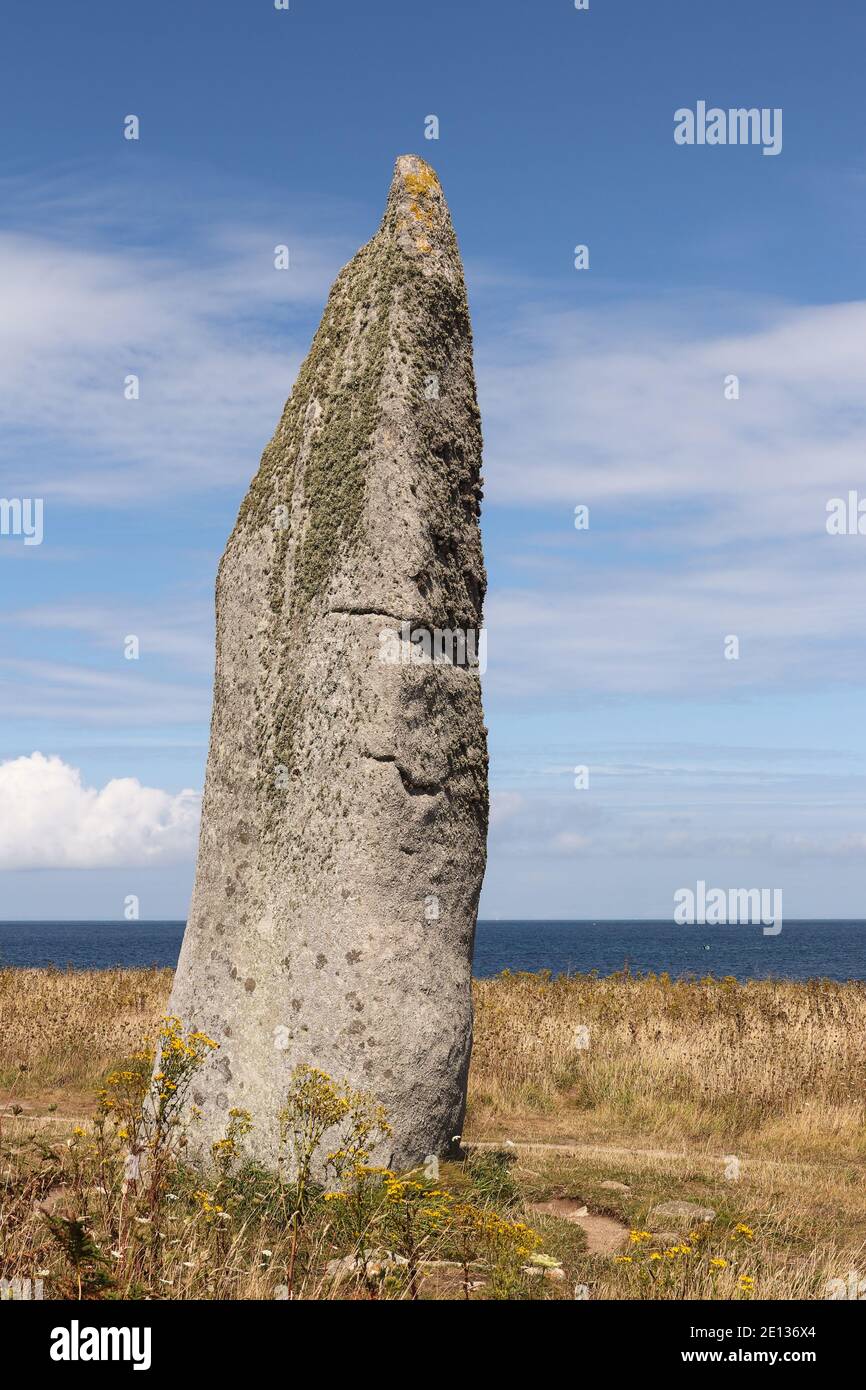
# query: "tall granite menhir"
343,836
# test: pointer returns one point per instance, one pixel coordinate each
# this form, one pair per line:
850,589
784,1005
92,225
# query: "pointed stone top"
415,174
411,164
417,214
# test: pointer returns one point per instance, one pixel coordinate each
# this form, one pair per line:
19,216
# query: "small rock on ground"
688,1213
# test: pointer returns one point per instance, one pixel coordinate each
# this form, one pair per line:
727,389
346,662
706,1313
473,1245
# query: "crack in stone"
411,784
368,613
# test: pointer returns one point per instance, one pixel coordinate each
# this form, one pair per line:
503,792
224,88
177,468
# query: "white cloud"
50,820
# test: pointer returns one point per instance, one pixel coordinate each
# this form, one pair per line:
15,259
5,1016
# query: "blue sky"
602,387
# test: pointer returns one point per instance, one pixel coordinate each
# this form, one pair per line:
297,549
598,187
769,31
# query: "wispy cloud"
628,406
55,691
661,629
182,632
679,826
211,331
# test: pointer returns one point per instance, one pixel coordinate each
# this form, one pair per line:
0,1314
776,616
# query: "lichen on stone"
422,182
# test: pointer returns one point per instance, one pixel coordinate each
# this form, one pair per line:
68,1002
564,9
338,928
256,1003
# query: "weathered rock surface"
689,1213
343,835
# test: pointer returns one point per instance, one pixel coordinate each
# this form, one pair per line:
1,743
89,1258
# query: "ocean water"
833,950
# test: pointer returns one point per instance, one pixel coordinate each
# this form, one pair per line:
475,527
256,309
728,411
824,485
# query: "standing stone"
344,822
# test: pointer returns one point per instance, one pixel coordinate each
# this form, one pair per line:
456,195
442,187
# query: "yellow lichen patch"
421,214
423,245
423,183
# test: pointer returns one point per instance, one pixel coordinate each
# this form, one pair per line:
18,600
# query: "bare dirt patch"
604,1235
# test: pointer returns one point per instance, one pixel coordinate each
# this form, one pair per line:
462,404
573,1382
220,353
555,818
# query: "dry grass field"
592,1101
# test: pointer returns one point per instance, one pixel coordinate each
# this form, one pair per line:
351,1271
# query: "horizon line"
502,921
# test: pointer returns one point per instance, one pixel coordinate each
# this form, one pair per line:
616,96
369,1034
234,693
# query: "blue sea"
834,950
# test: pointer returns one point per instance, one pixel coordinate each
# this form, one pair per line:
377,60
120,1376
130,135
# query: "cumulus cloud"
49,819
